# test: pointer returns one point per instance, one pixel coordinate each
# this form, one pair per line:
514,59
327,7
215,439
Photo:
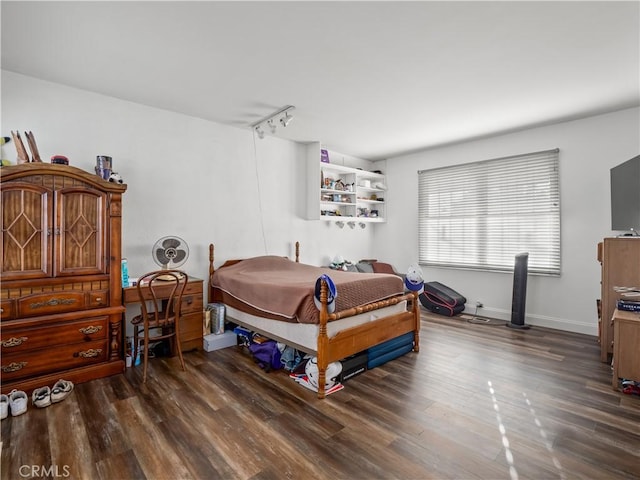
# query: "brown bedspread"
284,289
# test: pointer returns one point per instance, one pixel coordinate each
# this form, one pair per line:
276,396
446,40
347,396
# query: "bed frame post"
211,270
297,252
323,340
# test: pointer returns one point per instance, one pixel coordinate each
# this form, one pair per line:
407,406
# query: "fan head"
170,252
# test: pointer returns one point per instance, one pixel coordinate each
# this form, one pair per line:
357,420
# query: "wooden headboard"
232,262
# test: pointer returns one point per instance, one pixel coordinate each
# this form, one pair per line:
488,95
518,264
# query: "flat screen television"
625,196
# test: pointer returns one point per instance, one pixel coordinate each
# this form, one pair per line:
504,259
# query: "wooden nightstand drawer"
191,330
191,303
193,287
22,339
28,363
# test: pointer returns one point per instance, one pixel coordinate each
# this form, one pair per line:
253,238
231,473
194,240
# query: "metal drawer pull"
99,299
14,341
91,353
90,329
54,302
13,367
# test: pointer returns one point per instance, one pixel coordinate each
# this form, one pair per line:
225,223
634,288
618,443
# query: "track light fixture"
284,116
362,225
286,119
351,225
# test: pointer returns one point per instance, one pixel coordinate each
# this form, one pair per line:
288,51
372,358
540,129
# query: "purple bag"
266,354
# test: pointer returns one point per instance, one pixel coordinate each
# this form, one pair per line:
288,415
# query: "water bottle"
125,273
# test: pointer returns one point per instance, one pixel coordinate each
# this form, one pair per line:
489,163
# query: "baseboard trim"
565,324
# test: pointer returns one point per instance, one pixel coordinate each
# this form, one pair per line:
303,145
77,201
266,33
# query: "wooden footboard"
355,339
359,338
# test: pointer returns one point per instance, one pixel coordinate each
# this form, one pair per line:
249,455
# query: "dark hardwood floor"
478,402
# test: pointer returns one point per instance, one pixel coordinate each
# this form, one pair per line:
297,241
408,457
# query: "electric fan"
170,252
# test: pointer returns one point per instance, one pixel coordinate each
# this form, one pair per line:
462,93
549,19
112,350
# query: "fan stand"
166,278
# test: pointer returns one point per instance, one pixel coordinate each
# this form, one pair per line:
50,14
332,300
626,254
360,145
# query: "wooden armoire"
60,276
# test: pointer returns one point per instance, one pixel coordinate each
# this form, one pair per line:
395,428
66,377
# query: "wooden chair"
160,295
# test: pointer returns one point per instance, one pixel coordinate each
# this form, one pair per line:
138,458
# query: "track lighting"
362,225
340,224
286,120
352,225
284,116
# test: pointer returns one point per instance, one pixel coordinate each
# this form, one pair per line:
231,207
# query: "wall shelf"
354,199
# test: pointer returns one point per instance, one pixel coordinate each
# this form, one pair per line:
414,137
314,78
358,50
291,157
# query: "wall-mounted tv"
625,196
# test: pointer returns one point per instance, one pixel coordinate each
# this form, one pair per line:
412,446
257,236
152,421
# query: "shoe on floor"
4,407
18,402
61,390
41,397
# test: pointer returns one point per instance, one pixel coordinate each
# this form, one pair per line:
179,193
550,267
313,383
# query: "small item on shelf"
115,178
324,156
125,273
23,157
31,140
629,305
59,160
103,166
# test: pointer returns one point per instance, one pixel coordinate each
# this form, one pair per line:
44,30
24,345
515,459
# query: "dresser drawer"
8,309
59,302
22,339
29,363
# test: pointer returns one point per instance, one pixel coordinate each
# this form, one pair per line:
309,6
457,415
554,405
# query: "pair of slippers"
45,396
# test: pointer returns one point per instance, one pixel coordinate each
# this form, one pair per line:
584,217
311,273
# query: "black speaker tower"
520,271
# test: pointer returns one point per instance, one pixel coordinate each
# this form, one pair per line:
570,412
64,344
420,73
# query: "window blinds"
480,215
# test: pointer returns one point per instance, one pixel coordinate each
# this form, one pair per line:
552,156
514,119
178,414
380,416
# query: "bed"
274,296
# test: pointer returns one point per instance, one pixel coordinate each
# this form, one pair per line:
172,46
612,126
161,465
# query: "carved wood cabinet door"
27,229
80,232
52,234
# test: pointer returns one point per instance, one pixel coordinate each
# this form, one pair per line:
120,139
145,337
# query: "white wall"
200,180
588,149
208,182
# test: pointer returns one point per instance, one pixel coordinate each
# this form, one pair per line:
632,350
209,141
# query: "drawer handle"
54,302
91,353
98,299
13,367
90,329
14,342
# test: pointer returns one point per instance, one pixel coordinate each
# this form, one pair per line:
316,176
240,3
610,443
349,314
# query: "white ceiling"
370,79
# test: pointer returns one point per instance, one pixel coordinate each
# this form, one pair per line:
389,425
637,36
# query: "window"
480,215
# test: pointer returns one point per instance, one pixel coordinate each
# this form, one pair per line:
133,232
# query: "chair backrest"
160,294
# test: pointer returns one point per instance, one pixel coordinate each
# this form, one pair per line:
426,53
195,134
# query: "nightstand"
626,346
